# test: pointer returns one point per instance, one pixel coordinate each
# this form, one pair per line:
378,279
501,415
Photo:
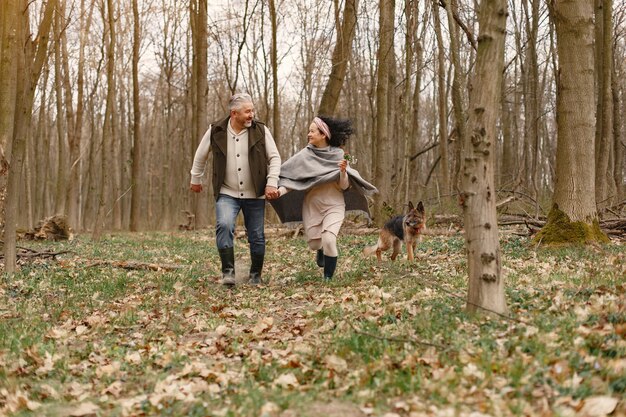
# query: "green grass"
378,335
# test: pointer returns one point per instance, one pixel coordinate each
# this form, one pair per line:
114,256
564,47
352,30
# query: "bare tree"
458,95
531,96
486,283
135,209
573,217
276,126
30,61
442,104
9,49
384,168
200,91
341,55
604,109
106,189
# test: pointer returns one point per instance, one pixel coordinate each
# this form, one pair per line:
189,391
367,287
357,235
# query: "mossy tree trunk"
573,218
486,284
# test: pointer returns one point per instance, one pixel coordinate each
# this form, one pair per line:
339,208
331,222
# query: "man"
246,165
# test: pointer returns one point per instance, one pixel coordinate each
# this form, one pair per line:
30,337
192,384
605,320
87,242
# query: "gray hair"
238,99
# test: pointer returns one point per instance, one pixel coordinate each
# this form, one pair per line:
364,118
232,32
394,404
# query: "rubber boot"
256,266
227,256
320,258
330,264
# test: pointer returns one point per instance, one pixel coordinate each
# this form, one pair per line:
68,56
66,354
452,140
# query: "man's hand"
271,193
196,188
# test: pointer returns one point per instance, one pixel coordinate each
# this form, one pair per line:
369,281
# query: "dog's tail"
370,250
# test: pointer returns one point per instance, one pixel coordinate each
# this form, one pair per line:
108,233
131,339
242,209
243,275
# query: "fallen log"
134,265
51,228
28,253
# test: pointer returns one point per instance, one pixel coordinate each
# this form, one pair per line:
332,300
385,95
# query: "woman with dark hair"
317,186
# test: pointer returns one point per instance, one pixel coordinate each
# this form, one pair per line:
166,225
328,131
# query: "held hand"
196,188
343,165
271,193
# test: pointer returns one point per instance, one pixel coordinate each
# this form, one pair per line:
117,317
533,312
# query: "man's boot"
227,255
256,266
330,263
320,258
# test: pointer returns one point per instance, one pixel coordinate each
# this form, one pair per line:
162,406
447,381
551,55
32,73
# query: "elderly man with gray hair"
246,166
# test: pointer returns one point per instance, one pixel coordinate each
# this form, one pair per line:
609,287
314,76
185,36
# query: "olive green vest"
257,156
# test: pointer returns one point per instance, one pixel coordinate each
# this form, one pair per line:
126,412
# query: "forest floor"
137,324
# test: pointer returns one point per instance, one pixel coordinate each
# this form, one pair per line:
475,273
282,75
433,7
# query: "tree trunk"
458,99
341,55
532,102
104,197
573,218
604,115
9,50
384,166
276,126
76,180
199,34
442,106
618,146
61,122
30,62
486,283
137,138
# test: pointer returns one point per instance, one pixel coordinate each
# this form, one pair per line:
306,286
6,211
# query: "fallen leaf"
84,409
263,325
336,363
598,406
286,381
133,357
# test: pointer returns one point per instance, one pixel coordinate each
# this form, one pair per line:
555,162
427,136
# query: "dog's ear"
420,207
411,206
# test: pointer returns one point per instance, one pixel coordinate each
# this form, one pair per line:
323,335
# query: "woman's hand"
343,165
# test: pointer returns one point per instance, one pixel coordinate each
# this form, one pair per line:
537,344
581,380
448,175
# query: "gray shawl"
313,166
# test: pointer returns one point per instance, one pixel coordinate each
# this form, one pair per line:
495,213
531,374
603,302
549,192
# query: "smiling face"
242,116
316,138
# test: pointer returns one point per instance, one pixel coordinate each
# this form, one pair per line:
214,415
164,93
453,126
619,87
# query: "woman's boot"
330,264
320,258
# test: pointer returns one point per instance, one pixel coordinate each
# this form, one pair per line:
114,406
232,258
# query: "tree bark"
531,95
341,55
442,106
104,198
9,50
30,62
199,34
383,153
573,218
74,189
276,126
604,110
62,126
458,98
619,145
486,283
137,137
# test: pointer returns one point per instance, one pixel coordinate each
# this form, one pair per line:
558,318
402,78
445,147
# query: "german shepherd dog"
407,228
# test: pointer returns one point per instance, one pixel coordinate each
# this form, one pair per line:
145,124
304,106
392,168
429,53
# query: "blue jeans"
226,210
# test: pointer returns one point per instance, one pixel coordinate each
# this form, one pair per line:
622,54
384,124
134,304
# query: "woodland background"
127,89
102,105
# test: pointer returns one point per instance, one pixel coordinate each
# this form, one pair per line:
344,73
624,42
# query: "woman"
317,186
